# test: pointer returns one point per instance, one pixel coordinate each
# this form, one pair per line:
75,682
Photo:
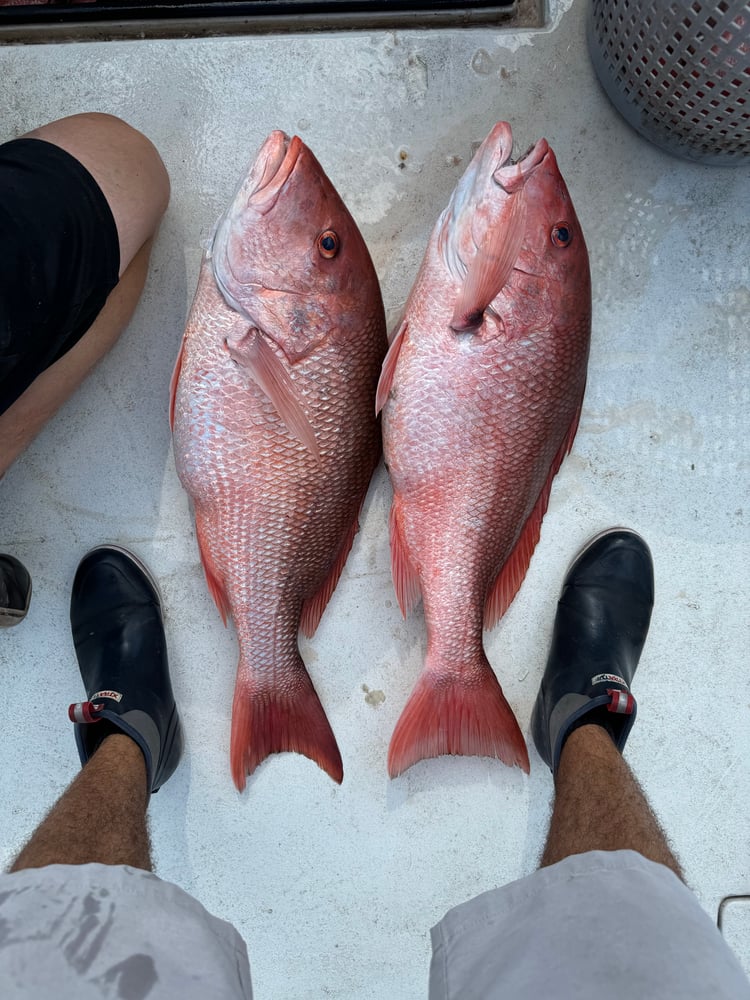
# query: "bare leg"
599,805
130,173
101,817
125,165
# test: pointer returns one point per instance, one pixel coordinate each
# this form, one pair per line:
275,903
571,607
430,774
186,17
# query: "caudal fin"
468,717
266,722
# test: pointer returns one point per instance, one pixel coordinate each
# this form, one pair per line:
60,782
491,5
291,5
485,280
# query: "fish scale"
277,497
481,392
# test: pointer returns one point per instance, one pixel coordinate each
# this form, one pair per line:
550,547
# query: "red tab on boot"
85,711
621,702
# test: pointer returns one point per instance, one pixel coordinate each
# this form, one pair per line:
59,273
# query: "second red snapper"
275,437
481,393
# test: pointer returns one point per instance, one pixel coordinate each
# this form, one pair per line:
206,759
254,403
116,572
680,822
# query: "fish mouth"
511,174
273,167
495,158
476,205
259,191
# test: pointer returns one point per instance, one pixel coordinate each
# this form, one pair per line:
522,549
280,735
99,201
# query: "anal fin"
403,571
313,608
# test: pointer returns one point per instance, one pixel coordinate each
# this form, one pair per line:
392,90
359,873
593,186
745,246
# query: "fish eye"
328,244
561,234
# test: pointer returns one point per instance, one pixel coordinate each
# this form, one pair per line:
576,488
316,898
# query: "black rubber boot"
600,629
15,591
115,614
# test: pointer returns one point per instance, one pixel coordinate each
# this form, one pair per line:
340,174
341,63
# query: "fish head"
287,254
511,241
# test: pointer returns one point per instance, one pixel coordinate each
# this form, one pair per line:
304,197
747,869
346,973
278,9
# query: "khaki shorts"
595,925
74,932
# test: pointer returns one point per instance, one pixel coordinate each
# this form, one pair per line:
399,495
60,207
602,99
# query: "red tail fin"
456,717
266,722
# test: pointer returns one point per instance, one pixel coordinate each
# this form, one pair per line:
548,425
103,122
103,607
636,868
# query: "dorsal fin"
514,570
174,381
389,367
214,580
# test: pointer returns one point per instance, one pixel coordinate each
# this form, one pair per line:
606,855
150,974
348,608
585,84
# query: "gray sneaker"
15,591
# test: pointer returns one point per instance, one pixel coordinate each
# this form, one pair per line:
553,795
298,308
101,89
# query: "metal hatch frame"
123,19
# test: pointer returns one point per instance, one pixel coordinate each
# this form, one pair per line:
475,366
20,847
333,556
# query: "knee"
124,160
137,152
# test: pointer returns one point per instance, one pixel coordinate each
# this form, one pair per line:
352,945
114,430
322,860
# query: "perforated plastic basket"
678,72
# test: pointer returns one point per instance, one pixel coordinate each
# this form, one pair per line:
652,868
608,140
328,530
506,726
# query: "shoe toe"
108,578
618,561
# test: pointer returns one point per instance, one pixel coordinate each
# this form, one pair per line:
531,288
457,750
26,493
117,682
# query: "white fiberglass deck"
334,888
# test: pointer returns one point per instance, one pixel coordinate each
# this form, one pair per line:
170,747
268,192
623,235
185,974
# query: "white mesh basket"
678,72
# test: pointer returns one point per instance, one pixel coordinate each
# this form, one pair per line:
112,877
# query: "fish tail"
456,716
273,721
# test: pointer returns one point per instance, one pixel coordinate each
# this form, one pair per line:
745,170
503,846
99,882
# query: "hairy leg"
101,817
133,179
599,805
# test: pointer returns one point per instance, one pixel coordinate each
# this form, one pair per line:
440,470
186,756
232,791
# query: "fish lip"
511,175
500,143
273,167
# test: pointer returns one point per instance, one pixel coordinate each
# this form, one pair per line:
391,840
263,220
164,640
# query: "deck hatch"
55,20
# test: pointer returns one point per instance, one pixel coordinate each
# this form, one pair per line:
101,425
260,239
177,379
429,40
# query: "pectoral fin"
250,351
489,271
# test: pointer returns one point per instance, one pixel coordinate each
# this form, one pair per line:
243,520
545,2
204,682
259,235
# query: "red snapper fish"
275,435
481,392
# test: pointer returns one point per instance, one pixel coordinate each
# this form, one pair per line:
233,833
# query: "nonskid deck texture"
335,888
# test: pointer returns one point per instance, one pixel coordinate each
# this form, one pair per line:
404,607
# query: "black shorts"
59,259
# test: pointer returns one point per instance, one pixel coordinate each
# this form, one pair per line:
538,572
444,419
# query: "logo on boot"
607,679
114,695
